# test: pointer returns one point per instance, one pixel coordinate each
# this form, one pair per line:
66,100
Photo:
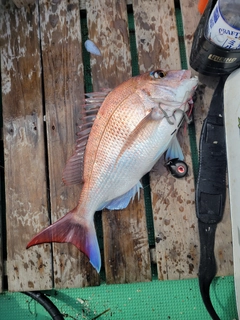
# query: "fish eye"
158,74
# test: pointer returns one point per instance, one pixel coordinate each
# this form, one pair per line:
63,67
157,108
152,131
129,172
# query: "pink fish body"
136,123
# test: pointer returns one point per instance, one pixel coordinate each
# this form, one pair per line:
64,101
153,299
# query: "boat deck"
45,71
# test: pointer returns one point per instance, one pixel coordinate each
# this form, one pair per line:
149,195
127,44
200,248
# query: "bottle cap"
202,5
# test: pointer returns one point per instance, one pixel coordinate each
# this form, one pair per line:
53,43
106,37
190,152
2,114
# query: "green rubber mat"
154,300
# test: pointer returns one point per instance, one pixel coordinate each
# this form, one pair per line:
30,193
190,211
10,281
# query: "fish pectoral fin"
174,150
122,202
154,115
67,229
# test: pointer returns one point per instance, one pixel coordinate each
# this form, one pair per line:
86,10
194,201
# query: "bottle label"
220,32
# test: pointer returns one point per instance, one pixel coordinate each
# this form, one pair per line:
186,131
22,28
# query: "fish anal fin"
79,232
122,202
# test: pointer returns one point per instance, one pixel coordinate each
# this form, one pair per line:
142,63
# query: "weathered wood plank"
2,210
172,199
175,221
24,3
126,252
24,154
1,213
108,29
190,17
156,35
63,87
223,242
83,3
126,248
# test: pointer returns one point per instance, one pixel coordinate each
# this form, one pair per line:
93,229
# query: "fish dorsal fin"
73,172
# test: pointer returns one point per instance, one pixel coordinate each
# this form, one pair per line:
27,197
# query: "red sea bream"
136,123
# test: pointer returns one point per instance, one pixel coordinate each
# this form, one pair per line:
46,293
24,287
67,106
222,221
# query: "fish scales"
136,123
120,124
98,170
101,128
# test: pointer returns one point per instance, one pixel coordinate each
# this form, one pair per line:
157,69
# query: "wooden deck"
42,76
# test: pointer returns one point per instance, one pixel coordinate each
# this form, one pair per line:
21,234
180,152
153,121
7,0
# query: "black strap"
211,191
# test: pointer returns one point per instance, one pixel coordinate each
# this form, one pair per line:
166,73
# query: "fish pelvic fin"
174,150
72,229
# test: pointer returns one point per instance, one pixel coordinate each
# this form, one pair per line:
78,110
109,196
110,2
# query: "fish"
129,129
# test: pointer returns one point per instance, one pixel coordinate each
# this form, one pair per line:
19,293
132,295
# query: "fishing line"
184,64
166,115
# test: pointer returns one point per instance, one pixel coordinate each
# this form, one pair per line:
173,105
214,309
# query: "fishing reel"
178,168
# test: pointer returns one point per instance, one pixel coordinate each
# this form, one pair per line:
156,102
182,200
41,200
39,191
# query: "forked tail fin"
75,230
